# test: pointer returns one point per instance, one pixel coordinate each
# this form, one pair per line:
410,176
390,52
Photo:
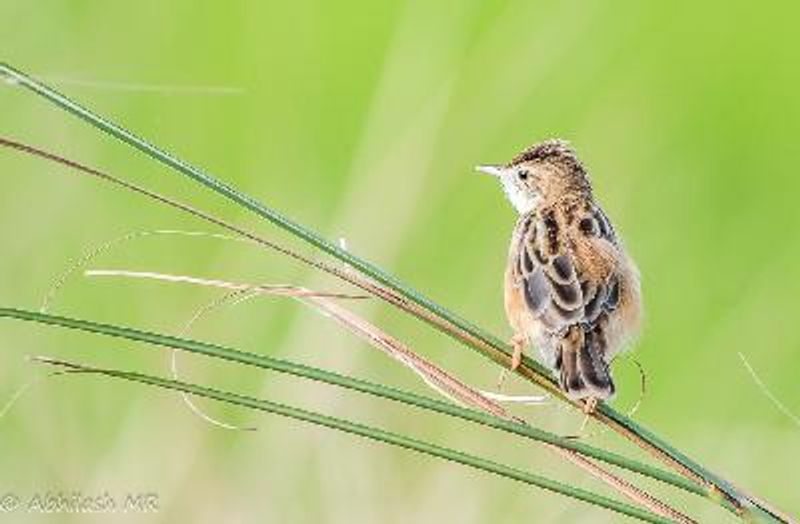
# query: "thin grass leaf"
346,275
434,376
229,298
372,433
500,350
285,290
767,393
399,294
363,386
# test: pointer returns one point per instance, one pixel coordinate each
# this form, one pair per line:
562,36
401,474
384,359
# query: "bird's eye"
522,174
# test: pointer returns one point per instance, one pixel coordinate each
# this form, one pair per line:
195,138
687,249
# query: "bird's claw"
518,344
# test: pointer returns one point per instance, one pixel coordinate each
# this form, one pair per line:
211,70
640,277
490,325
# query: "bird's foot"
518,343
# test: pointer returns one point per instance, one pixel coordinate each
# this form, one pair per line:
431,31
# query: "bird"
571,289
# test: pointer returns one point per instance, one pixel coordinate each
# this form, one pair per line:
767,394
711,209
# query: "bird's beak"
490,170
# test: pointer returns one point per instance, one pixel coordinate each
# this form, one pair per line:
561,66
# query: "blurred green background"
363,120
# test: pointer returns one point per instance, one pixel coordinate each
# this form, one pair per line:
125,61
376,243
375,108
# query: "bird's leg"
589,405
518,343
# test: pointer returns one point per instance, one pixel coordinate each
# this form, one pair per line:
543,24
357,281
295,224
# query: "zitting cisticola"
571,290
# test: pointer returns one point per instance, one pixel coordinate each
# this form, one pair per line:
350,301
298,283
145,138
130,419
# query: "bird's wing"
567,270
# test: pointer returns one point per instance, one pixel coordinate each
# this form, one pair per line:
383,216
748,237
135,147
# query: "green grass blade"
363,386
379,435
530,368
250,203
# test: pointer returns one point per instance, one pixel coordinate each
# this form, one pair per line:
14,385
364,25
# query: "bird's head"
546,171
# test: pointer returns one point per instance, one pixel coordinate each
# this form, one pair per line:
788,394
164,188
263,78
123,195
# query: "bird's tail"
581,365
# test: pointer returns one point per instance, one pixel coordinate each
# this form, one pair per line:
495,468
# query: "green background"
364,120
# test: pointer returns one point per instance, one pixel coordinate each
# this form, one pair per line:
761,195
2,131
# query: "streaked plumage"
570,288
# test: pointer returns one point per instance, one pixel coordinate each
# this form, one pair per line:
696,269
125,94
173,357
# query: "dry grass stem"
434,376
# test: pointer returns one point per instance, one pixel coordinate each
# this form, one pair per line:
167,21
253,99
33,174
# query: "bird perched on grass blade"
571,290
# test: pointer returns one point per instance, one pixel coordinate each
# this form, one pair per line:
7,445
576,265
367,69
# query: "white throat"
522,201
